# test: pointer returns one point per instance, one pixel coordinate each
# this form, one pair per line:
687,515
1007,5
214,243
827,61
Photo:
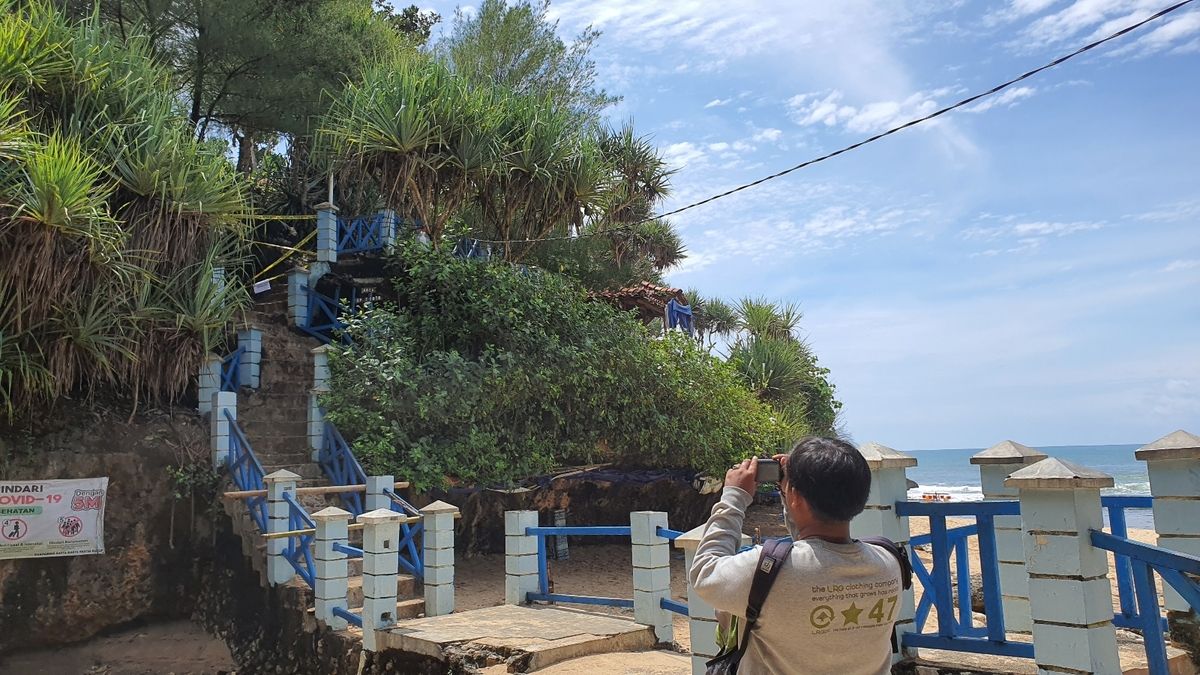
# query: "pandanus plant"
112,219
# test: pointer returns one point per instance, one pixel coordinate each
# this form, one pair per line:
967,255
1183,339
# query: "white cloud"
682,154
1090,20
716,102
769,135
1181,265
1016,236
829,110
1007,98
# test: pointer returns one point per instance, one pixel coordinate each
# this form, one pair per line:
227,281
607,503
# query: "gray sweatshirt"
830,611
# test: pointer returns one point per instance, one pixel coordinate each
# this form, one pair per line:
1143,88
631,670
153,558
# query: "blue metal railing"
1143,561
342,468
955,626
230,366
362,234
299,547
324,314
410,551
349,616
1115,506
246,471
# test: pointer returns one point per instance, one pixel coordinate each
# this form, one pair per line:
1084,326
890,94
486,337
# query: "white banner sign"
44,518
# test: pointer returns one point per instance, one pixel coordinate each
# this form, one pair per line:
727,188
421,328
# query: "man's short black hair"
831,475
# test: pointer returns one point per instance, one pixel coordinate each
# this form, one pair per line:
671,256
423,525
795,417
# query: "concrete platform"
520,639
621,663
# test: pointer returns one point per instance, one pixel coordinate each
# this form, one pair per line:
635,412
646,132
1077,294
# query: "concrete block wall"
520,556
651,572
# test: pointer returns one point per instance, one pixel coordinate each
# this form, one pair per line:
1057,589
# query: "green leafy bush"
485,373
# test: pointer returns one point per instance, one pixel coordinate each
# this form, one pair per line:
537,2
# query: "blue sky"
1028,268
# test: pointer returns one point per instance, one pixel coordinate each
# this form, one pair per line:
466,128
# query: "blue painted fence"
299,547
246,471
410,550
342,468
230,366
363,234
324,314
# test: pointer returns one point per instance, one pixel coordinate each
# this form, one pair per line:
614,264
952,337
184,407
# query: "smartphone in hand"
768,470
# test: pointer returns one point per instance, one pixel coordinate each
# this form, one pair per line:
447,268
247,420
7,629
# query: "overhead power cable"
966,101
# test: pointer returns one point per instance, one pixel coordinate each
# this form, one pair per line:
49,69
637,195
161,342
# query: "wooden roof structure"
647,299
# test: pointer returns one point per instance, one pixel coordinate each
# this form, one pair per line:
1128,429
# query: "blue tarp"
679,315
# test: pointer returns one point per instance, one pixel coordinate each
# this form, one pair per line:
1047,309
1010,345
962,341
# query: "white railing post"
1070,599
219,428
250,364
387,228
651,572
279,570
381,565
332,566
316,416
209,381
437,540
297,280
1173,463
376,497
520,557
889,484
996,464
327,233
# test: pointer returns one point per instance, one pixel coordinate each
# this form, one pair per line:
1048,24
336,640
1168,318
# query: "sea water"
950,472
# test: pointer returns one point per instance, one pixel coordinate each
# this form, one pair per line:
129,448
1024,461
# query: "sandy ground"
178,647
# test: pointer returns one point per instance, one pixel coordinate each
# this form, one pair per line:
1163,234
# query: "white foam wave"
957,493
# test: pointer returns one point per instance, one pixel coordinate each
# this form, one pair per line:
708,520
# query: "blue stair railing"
230,366
411,558
299,547
325,314
363,234
246,471
1130,615
342,468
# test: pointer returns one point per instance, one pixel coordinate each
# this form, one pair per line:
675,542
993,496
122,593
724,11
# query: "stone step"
305,471
286,457
406,587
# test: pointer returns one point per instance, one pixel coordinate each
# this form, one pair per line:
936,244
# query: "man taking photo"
834,600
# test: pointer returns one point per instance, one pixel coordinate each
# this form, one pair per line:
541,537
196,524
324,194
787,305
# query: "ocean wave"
957,493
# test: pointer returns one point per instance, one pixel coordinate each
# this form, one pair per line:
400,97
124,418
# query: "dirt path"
178,647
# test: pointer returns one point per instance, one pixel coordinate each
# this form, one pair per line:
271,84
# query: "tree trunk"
247,160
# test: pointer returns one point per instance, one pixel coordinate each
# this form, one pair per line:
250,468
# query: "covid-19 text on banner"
44,518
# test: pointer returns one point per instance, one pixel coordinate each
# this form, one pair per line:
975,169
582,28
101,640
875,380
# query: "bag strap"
770,559
906,571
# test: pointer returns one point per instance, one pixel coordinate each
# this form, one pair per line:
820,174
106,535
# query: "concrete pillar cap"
439,507
319,350
298,269
880,456
326,206
281,476
330,513
691,538
1008,452
1054,473
380,517
1175,445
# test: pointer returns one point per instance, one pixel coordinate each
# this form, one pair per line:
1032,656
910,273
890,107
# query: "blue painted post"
996,464
889,484
250,364
520,556
327,233
316,416
381,565
297,279
962,574
209,382
330,581
1070,599
219,427
993,605
279,570
438,556
1173,463
651,572
943,599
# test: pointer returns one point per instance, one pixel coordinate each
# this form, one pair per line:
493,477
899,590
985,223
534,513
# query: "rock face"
150,563
590,498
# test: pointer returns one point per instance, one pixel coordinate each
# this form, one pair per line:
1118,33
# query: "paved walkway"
526,638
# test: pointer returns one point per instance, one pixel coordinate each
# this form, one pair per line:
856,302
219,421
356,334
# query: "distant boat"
935,497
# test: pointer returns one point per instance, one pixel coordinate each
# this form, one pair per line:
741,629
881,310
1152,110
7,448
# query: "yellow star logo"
850,616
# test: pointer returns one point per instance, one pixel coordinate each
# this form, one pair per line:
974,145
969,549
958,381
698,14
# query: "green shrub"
485,373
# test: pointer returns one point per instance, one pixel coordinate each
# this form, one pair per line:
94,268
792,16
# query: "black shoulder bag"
770,559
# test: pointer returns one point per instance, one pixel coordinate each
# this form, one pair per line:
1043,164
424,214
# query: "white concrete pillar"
889,484
1070,599
297,279
995,465
702,617
316,416
332,567
651,572
250,365
438,542
209,382
381,564
520,556
279,570
218,279
387,227
219,427
327,232
1173,463
375,497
